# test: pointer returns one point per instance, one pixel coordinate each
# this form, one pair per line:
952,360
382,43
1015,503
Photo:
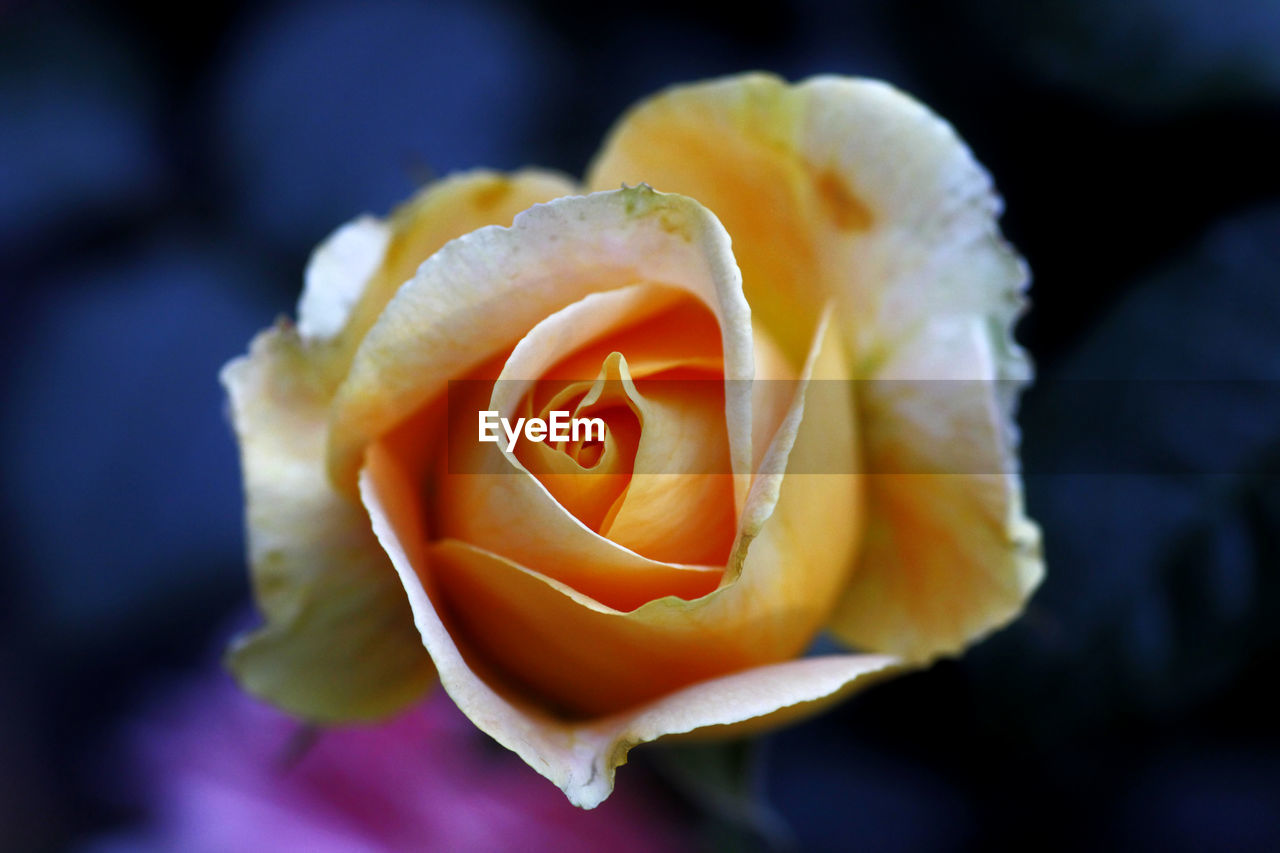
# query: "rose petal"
480,294
683,337
581,758
588,485
948,554
833,189
511,630
771,393
338,641
494,510
334,646
338,273
679,504
728,144
847,190
803,520
354,273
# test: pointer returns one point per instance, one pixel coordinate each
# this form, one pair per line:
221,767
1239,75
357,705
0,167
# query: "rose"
571,618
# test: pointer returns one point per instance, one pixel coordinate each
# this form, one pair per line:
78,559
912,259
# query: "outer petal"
338,641
948,553
356,271
581,757
848,190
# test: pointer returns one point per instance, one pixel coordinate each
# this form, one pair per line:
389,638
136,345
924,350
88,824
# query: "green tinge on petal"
338,641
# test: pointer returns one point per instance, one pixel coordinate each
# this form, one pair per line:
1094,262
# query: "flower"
217,770
573,600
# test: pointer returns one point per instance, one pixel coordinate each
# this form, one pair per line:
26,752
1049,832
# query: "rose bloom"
578,599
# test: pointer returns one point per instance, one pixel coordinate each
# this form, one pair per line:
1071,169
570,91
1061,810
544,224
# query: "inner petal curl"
486,496
662,483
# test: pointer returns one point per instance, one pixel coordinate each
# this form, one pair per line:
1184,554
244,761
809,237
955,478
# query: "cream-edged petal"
948,557
567,650
338,642
445,210
581,758
849,191
597,318
354,273
338,274
833,189
948,554
729,144
480,294
333,646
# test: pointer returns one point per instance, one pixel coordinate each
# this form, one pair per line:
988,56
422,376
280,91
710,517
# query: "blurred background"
164,173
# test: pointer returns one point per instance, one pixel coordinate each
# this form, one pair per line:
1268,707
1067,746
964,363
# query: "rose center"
662,460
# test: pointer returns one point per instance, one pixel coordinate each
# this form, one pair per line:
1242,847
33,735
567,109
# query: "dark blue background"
164,173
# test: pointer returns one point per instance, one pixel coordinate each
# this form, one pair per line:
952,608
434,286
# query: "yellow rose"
576,599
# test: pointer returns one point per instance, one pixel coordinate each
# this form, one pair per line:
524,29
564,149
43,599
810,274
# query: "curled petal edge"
581,758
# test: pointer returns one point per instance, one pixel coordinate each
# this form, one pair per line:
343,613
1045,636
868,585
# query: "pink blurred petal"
225,772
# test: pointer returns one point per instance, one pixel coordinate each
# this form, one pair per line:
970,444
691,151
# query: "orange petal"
802,524
684,336
678,470
847,191
834,189
729,145
581,757
679,505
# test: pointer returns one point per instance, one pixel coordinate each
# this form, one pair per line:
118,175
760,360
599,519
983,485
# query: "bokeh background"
164,173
